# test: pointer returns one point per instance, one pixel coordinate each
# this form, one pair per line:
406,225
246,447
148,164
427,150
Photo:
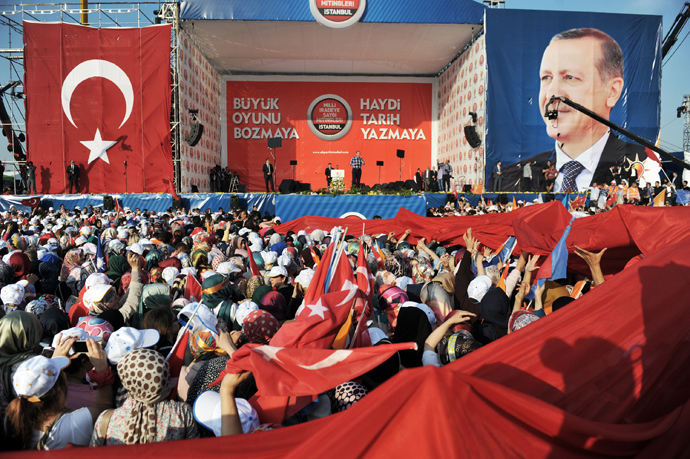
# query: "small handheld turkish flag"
31,202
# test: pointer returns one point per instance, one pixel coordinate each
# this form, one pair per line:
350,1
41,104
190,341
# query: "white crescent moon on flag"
92,69
334,358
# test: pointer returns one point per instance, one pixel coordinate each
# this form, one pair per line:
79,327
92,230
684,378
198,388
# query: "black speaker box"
304,186
287,186
234,201
195,133
108,203
275,142
400,153
241,188
411,184
472,136
195,189
502,199
548,197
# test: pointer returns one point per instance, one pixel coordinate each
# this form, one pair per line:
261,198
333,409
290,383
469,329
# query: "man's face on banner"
568,68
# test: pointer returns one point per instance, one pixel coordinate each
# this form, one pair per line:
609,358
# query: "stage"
286,206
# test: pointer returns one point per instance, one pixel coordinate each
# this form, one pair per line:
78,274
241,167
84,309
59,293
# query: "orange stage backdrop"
322,122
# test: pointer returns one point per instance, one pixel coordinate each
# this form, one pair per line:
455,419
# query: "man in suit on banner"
586,66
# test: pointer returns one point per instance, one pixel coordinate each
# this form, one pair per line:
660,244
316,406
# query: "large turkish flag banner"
100,97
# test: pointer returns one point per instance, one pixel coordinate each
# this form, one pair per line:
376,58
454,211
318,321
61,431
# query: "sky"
674,71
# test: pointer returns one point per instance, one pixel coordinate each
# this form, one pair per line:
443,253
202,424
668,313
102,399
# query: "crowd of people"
93,304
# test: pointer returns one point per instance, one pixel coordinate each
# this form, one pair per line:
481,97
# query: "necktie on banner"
556,264
570,171
100,97
294,372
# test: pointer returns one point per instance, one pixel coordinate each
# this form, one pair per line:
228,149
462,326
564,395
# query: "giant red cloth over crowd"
402,338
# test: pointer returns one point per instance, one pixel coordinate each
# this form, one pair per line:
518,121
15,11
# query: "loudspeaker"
195,189
304,186
450,197
108,203
502,199
411,184
275,142
288,186
379,163
293,162
472,136
548,197
398,185
241,188
467,188
195,133
234,201
400,153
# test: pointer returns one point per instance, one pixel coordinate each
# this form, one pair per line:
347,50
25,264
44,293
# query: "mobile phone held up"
80,346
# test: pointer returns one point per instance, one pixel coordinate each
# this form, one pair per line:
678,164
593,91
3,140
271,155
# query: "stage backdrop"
515,43
322,122
200,90
100,97
461,90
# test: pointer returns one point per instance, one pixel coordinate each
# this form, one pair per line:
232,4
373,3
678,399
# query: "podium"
338,179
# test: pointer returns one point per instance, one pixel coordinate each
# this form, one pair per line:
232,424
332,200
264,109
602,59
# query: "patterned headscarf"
259,327
95,326
346,395
73,259
154,257
146,377
253,283
20,335
203,345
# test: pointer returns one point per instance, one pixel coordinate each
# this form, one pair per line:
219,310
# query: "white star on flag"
269,352
317,309
98,147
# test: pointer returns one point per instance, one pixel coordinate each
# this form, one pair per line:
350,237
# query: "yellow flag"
659,199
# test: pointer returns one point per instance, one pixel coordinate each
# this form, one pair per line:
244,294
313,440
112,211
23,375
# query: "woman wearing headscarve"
495,309
200,259
253,283
21,264
20,337
146,416
260,326
117,266
49,274
6,274
413,325
436,297
447,281
222,296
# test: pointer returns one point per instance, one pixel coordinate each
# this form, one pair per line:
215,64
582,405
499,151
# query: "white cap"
12,294
122,234
85,230
403,282
136,248
478,288
244,231
269,257
96,279
423,307
95,294
74,332
243,310
207,412
127,339
278,271
81,240
227,268
203,320
304,277
190,271
36,376
169,274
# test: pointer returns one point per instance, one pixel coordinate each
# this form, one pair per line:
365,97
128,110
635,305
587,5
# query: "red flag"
252,265
101,97
192,288
280,371
31,202
176,361
317,325
365,280
611,200
455,193
118,207
578,202
651,154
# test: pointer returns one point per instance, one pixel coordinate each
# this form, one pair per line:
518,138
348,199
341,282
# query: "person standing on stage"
268,175
30,177
73,176
418,179
328,176
447,175
356,163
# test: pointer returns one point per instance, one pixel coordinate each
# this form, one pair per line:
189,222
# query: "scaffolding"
95,14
